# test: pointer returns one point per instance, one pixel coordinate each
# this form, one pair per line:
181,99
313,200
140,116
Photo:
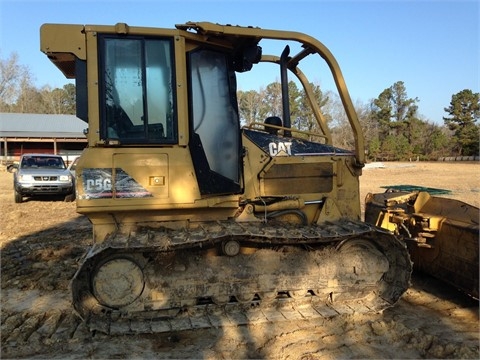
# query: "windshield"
55,162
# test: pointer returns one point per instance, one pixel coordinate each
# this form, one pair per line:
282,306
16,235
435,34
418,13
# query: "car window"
28,162
52,162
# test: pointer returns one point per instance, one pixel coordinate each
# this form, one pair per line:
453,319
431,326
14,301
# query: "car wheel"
18,197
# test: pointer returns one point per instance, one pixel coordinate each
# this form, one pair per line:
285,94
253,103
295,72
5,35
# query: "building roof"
41,126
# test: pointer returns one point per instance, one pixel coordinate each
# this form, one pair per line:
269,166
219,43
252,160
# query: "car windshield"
54,162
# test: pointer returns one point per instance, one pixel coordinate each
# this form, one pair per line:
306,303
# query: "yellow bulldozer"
197,220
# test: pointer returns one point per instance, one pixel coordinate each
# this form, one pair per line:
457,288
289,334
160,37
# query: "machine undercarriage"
175,278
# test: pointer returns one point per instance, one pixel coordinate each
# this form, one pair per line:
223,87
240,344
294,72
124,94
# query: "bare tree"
14,79
249,103
58,101
342,135
272,99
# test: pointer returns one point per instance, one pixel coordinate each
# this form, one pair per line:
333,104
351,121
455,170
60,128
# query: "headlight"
26,178
65,178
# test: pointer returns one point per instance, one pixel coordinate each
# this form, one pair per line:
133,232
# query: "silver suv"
41,174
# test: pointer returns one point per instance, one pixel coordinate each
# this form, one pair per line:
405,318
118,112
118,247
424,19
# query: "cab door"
215,142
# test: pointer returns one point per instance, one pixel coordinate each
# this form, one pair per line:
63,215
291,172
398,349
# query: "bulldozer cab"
144,87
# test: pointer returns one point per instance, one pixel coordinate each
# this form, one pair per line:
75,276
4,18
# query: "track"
234,315
170,280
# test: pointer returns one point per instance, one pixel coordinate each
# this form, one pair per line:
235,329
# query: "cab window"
137,78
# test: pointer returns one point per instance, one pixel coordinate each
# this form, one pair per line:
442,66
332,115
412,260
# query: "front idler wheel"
118,282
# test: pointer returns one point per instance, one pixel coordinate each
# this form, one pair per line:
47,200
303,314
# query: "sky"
433,47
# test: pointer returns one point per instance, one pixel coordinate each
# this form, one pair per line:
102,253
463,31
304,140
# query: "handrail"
264,125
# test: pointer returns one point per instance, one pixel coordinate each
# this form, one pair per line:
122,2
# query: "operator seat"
272,120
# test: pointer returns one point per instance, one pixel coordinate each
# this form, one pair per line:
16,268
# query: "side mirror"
247,56
12,168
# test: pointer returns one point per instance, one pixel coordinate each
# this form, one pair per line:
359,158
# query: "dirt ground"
42,240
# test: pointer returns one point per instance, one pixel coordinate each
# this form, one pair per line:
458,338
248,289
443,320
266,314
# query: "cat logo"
280,149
